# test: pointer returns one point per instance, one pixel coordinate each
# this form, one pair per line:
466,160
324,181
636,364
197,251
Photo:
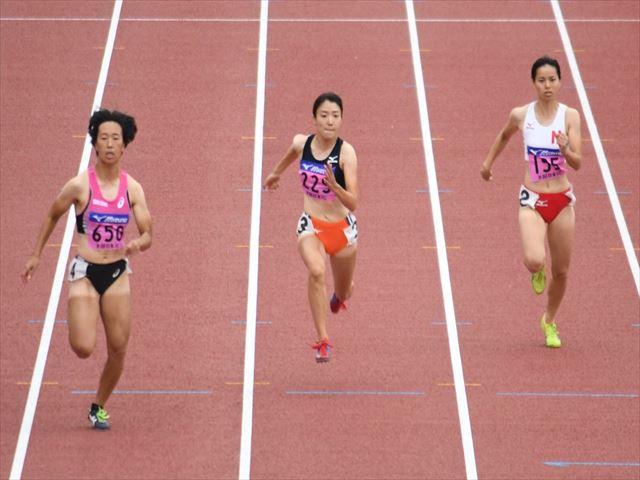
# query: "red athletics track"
387,341
377,411
186,83
503,349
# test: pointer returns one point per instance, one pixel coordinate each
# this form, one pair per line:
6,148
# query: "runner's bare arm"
514,123
571,143
68,196
142,217
348,196
294,151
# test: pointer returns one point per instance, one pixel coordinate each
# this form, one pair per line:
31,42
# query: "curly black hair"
127,122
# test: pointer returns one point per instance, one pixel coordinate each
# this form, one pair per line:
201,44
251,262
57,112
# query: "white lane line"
597,145
47,330
319,20
445,281
254,242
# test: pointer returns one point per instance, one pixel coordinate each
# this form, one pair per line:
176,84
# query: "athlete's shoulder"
299,139
132,184
347,153
79,183
519,112
348,148
517,116
572,113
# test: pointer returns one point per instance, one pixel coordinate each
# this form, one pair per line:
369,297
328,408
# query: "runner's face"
109,144
328,120
547,82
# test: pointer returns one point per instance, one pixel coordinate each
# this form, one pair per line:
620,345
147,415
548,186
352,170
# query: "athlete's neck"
323,145
108,172
547,108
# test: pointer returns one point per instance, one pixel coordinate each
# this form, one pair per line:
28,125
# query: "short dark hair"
542,61
126,122
323,97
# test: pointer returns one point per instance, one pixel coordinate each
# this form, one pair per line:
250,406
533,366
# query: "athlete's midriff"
333,211
551,185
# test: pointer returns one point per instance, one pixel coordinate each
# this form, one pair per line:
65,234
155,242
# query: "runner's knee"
534,262
316,272
82,349
560,274
117,349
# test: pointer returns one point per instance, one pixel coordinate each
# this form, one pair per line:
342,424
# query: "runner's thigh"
561,236
532,232
115,309
83,313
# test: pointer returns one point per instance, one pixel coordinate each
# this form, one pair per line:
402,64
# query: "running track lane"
180,79
47,82
503,348
376,410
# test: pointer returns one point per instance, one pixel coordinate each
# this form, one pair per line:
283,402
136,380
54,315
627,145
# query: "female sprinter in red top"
105,198
327,226
551,134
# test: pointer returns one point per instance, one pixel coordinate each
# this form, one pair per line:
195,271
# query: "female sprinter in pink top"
105,197
551,135
327,226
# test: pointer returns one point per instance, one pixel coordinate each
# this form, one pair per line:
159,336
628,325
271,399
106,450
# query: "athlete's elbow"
577,163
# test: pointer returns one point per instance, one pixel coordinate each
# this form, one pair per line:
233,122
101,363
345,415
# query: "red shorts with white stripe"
548,205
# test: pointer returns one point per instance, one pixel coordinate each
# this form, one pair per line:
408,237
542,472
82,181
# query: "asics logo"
116,273
121,202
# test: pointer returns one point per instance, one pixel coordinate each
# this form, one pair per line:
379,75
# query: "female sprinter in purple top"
327,226
105,198
551,135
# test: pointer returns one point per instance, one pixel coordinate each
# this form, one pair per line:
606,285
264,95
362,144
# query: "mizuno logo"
542,152
333,159
310,167
541,203
108,218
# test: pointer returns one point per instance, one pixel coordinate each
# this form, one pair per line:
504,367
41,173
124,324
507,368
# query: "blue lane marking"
244,322
426,86
602,192
356,392
459,322
253,85
42,321
592,464
147,392
586,87
440,190
567,394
